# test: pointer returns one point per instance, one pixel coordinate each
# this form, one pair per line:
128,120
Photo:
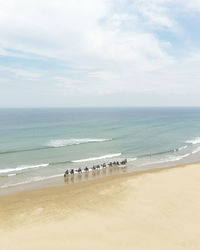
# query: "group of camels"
95,167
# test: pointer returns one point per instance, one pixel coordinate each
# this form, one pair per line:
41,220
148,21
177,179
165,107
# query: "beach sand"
157,209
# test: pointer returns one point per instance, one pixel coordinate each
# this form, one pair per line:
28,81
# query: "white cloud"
155,12
71,30
21,73
111,46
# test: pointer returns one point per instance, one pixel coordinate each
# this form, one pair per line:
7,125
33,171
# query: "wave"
194,141
178,158
9,170
9,175
22,150
98,158
196,150
69,142
170,159
131,159
57,144
34,179
163,152
157,153
183,147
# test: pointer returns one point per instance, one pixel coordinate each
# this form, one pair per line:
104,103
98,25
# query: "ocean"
40,144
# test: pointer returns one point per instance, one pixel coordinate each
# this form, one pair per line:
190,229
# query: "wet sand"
154,209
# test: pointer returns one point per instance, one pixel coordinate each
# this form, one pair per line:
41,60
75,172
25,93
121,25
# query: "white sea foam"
131,159
9,175
169,159
34,179
196,150
178,158
183,147
69,142
98,158
9,170
194,141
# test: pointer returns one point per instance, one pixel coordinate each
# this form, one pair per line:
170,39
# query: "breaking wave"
69,142
9,170
98,158
57,144
194,141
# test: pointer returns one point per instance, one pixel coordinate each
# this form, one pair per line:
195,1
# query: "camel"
124,162
72,171
97,166
79,170
103,165
86,169
66,173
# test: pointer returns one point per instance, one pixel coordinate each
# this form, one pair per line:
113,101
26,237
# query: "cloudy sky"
99,53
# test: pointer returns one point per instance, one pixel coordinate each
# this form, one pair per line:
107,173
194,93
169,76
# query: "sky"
72,53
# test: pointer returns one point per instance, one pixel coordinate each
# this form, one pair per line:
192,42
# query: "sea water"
38,144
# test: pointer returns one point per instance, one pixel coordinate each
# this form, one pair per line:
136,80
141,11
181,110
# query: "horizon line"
55,107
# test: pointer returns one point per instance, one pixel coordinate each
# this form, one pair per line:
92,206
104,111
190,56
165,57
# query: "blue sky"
99,53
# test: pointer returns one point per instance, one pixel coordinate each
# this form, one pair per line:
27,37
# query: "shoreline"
77,178
58,189
115,212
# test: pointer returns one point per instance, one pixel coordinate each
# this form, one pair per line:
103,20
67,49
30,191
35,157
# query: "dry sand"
152,210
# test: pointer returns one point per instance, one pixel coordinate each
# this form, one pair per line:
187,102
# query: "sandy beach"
156,209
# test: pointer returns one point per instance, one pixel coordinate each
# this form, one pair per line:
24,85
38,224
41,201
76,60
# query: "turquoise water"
37,144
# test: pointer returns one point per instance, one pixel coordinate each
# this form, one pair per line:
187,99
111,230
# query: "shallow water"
38,144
